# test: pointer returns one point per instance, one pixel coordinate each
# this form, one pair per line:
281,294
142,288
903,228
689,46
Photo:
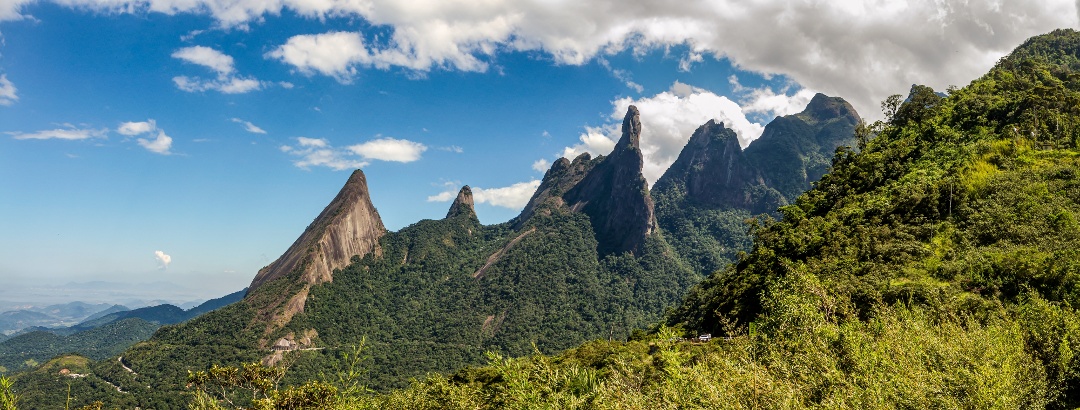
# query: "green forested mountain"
101,335
936,267
28,349
704,199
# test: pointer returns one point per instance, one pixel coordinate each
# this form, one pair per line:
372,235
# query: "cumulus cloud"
595,140
136,128
334,54
7,89
861,50
249,127
667,121
207,57
226,82
317,152
541,165
766,101
163,258
70,134
389,149
160,144
514,196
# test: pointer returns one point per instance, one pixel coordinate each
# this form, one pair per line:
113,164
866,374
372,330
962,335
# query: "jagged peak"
559,165
631,128
463,204
584,157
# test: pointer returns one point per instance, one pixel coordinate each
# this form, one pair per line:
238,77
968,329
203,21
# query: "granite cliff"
349,226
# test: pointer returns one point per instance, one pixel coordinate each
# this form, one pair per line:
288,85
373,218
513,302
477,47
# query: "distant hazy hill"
97,343
161,314
105,333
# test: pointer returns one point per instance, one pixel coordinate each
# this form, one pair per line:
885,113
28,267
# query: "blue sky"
214,131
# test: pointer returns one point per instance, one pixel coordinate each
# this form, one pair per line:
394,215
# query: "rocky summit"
463,204
350,225
610,190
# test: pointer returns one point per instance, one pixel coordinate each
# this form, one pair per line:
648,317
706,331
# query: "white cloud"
136,128
334,54
452,148
230,85
159,145
667,121
227,81
389,149
514,196
595,140
207,57
70,134
687,62
317,152
7,89
249,127
311,142
766,101
862,50
541,165
163,258
445,196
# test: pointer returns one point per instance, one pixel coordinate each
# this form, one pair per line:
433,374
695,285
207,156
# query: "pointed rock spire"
349,226
609,189
631,128
463,205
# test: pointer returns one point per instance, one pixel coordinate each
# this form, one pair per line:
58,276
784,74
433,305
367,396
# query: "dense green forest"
936,265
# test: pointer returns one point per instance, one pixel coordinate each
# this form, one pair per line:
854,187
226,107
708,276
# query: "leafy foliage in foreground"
907,357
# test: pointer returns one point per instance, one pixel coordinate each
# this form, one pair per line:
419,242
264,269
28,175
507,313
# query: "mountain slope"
714,185
348,226
610,190
935,268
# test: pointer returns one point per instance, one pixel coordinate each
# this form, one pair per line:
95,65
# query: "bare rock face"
610,190
349,226
463,204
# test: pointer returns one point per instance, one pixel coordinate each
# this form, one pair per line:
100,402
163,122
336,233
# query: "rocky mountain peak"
631,128
824,108
350,225
609,189
463,204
